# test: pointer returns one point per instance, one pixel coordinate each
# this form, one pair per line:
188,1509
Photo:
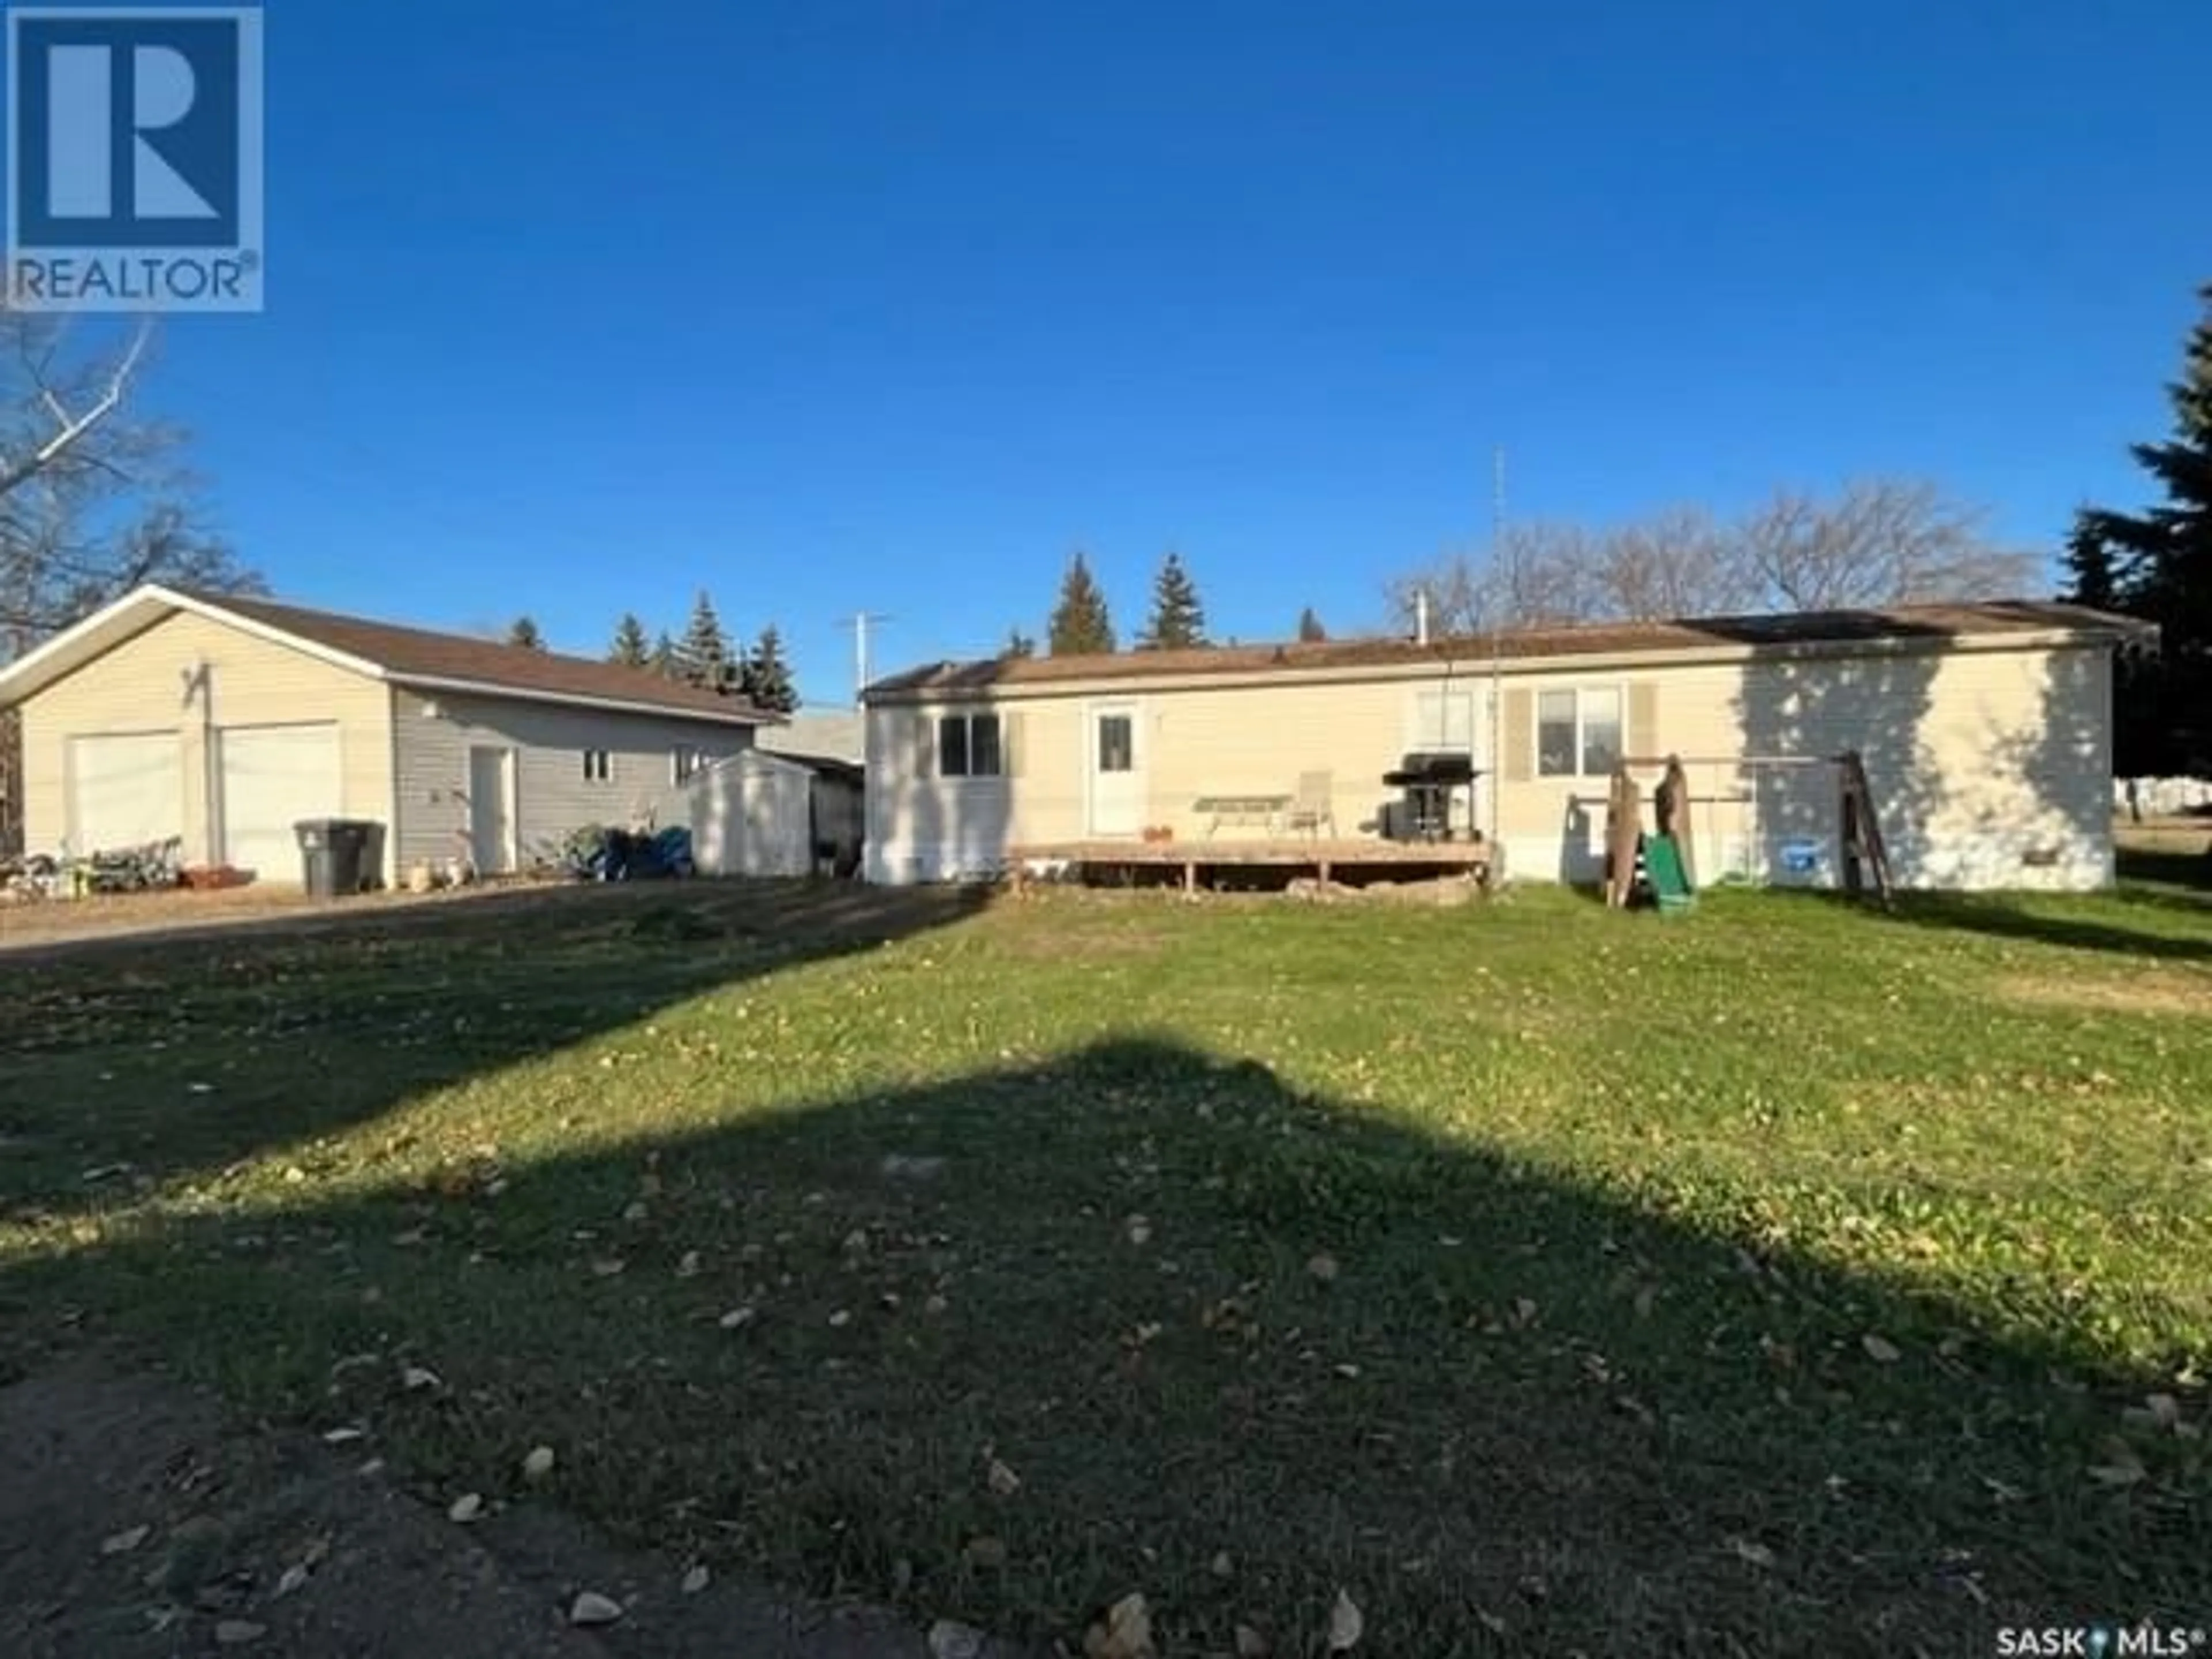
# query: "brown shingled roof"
1689,635
415,654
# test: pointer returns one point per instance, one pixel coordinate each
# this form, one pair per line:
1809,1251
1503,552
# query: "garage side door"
125,789
272,777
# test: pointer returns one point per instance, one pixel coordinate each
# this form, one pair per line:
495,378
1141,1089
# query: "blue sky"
831,306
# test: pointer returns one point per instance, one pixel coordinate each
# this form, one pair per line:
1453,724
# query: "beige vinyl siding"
1989,763
141,685
553,796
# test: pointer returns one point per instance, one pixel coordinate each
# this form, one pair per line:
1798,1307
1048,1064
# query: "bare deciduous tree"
1878,542
93,501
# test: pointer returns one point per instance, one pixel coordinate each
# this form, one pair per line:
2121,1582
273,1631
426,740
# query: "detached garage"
222,721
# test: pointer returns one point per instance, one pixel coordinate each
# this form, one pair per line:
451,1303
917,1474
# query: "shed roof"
389,651
1686,636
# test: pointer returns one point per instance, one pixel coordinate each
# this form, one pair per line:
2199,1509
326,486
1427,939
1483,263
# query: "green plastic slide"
1663,867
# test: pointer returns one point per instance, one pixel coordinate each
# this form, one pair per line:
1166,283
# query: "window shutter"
1009,742
925,751
1520,736
1644,721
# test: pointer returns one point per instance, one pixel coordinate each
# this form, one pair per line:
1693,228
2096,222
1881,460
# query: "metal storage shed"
751,815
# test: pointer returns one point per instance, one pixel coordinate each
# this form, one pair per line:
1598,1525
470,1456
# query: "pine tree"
1018,644
631,648
524,632
1178,621
766,678
1080,624
662,659
2094,571
704,657
1311,632
2161,566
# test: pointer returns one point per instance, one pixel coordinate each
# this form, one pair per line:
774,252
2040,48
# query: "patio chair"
1314,804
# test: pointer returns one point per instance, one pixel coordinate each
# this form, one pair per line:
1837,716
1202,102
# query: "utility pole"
859,623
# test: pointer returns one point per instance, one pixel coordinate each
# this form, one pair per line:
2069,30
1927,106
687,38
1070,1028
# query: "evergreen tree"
1018,644
1080,624
704,657
2161,562
631,648
524,632
662,659
766,679
2095,572
1311,632
1178,621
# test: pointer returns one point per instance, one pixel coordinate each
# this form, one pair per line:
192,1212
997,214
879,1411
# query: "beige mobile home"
1985,729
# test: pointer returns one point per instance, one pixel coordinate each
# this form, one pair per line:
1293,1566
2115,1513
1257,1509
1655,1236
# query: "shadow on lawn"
221,1043
2038,919
1513,1404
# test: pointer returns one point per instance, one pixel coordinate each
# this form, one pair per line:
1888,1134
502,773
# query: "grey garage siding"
553,796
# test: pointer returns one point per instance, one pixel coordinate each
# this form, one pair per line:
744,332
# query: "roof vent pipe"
1420,616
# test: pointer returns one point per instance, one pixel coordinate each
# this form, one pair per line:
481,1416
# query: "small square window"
599,766
683,761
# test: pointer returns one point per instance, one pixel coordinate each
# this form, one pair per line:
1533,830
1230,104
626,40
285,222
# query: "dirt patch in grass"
2147,991
146,1519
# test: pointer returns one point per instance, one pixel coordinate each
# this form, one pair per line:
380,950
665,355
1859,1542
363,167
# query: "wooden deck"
1295,856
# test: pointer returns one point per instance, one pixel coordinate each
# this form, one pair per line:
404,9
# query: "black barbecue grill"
1428,777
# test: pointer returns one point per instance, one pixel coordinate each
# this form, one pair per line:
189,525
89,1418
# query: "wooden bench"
1245,811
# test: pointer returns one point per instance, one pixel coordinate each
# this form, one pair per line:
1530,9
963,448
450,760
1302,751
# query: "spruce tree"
1178,620
704,657
766,680
1080,624
630,647
2160,570
2093,572
1311,632
662,659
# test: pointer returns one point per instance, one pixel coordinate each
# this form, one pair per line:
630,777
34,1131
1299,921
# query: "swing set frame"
1866,868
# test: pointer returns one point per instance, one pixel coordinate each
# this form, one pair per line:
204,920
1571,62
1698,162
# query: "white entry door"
272,777
126,790
1116,770
491,808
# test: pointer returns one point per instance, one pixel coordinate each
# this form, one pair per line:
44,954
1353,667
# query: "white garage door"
126,790
272,777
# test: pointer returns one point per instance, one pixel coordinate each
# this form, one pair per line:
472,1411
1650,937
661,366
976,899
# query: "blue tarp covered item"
608,854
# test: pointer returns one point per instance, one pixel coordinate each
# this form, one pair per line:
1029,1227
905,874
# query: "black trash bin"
333,855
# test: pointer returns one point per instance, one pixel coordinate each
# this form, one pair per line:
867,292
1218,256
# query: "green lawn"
1778,1279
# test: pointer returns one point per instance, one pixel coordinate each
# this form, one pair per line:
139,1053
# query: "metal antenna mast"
1498,597
859,623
